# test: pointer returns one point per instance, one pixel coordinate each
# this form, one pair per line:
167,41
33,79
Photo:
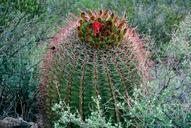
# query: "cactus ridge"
74,72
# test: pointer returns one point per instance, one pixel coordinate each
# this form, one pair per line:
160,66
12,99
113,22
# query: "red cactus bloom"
96,27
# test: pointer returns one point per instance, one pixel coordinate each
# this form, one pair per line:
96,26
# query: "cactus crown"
102,29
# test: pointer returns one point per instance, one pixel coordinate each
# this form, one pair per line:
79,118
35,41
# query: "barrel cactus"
98,55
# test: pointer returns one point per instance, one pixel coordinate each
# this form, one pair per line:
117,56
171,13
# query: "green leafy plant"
29,6
95,120
166,100
21,52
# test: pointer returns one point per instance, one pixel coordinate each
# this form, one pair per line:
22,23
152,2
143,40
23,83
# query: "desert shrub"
29,6
165,103
24,30
7,7
21,49
18,67
95,120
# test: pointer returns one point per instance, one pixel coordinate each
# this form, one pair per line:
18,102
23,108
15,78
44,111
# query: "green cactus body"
74,71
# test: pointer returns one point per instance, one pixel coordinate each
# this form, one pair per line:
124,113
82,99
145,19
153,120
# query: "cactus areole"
95,55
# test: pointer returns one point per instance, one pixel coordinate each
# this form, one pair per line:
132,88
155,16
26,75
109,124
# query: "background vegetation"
26,27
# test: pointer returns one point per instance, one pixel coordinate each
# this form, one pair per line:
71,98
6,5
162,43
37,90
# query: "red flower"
96,27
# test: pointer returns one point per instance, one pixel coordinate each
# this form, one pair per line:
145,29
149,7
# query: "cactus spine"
95,55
